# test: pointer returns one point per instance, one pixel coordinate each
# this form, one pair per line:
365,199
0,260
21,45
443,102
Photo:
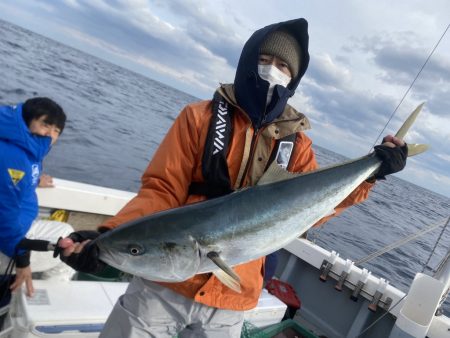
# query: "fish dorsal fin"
226,274
275,173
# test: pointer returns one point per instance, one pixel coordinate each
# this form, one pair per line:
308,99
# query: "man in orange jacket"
209,152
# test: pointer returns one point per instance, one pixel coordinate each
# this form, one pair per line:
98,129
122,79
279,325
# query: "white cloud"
444,157
46,7
425,177
140,15
72,3
438,125
326,71
182,74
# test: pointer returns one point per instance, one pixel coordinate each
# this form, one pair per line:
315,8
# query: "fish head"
152,257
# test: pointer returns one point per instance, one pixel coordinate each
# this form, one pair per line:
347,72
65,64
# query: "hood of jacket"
13,129
288,122
251,90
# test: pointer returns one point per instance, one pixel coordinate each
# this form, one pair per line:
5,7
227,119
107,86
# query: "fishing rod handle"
36,245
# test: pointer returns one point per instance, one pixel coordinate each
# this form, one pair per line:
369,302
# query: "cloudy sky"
364,56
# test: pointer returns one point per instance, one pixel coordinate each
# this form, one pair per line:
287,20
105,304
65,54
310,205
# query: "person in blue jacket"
27,132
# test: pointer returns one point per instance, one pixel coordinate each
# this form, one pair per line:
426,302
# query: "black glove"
87,260
82,235
77,237
393,160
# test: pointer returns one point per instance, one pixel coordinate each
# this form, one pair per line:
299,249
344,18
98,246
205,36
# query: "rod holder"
344,274
375,300
382,285
326,266
387,303
359,286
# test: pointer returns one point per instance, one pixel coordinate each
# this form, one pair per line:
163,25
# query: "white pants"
150,310
51,268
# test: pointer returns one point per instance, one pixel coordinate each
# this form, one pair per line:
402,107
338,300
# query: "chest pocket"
283,150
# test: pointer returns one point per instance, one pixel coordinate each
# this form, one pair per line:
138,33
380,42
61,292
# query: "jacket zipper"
252,145
250,158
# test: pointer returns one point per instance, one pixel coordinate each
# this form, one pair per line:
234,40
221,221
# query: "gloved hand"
85,260
82,235
393,159
74,237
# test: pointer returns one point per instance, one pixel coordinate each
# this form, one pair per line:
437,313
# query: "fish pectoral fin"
227,280
215,257
225,274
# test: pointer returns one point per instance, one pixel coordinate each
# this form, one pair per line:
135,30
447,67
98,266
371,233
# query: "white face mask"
274,76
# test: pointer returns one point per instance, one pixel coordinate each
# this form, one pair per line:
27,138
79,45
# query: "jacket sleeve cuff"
23,260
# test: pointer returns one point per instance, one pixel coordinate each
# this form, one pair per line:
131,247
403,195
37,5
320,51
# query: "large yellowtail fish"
214,235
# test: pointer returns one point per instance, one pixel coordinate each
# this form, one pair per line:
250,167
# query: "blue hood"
13,129
251,90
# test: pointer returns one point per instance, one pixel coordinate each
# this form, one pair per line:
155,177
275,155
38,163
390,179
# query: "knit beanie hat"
283,45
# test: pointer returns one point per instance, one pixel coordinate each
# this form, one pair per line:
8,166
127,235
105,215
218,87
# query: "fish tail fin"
413,149
225,274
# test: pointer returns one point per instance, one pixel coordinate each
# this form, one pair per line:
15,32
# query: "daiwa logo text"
221,124
34,174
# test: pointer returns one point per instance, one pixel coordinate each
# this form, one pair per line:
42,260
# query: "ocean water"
117,118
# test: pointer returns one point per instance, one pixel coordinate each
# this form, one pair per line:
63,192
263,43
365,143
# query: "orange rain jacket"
178,162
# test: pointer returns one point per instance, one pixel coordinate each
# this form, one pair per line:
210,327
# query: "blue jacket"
21,155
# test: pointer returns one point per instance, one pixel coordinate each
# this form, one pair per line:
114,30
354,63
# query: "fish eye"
135,250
